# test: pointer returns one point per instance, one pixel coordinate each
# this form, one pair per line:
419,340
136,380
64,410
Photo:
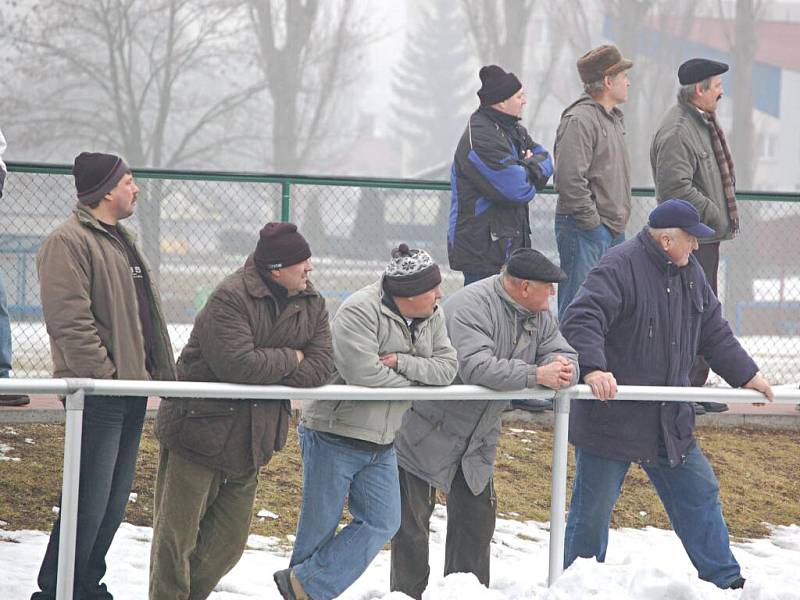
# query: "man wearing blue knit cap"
643,314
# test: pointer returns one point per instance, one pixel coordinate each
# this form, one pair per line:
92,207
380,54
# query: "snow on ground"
641,564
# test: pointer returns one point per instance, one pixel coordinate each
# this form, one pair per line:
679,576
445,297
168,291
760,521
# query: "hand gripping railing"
76,389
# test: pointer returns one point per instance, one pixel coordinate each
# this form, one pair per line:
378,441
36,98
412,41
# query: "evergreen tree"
434,87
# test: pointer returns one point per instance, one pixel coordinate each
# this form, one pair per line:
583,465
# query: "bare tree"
121,75
306,51
499,30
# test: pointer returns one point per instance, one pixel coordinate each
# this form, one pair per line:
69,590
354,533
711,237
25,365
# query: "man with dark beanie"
691,160
264,324
388,334
104,318
506,339
497,170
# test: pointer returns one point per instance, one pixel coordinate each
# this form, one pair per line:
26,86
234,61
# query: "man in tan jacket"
592,169
104,318
264,324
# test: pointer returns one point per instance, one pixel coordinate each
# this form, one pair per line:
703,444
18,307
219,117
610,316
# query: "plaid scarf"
725,162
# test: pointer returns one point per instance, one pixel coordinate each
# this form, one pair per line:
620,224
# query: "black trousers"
470,526
708,257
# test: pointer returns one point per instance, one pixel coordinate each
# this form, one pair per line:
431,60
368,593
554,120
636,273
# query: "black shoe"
699,409
737,584
290,590
284,583
15,400
534,406
715,407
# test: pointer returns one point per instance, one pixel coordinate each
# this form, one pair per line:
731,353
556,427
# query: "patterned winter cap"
411,272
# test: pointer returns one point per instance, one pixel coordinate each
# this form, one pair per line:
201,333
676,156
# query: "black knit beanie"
496,85
280,245
96,174
410,272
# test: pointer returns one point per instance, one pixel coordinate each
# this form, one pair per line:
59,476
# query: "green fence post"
285,201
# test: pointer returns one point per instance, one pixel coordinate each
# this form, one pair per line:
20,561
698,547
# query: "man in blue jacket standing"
640,318
496,172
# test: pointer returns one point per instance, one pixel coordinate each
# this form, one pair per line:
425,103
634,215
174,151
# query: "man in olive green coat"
691,161
264,324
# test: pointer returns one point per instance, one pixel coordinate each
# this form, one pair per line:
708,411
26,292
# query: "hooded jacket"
593,166
364,329
499,345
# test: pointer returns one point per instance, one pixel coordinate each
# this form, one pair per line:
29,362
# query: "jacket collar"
258,289
513,304
694,113
615,114
87,219
656,254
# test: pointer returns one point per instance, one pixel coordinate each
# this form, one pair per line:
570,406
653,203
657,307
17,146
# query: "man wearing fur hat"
264,324
388,334
497,170
592,169
104,318
691,160
506,339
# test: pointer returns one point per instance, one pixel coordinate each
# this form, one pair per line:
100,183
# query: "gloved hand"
539,165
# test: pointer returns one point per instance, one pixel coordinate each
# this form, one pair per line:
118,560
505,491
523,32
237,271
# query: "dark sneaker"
534,406
737,584
699,409
289,585
715,407
15,400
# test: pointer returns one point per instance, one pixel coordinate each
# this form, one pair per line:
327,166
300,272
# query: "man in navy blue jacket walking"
643,314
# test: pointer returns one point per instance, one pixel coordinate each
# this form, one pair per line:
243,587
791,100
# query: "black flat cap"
530,264
695,70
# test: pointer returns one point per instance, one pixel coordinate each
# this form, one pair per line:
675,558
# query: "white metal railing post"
558,483
69,495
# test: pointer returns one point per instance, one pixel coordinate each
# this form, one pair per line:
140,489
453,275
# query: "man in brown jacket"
592,169
264,324
103,314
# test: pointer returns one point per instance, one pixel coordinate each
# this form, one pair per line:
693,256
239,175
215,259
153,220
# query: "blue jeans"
689,493
579,250
470,277
5,334
109,445
327,563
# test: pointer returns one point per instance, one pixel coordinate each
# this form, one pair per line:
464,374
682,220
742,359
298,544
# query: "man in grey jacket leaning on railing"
506,339
388,334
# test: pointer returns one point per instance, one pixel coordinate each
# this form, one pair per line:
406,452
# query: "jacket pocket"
206,426
505,234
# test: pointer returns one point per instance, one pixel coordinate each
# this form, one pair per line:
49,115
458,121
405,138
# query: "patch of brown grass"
757,470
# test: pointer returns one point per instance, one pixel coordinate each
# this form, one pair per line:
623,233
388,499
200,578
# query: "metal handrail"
331,180
76,389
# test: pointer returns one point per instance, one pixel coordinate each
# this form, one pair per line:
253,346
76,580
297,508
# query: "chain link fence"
195,228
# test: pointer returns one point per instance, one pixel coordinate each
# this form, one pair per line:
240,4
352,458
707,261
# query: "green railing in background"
196,227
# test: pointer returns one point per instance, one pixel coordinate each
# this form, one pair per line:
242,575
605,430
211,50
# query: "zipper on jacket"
650,329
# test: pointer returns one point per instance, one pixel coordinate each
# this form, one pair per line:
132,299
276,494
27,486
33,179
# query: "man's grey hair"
686,92
595,88
506,276
656,233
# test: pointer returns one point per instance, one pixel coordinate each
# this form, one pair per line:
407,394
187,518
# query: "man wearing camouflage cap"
592,169
388,334
506,339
